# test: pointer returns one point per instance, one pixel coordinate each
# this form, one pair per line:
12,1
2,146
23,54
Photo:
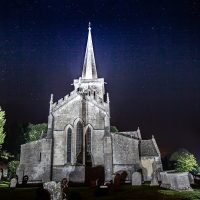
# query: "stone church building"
79,141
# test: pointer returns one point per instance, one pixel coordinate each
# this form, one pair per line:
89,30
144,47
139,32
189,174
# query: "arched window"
69,144
79,142
88,140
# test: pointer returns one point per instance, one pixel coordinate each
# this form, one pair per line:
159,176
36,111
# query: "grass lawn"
127,192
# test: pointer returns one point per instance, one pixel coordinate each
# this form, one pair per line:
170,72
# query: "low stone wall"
175,180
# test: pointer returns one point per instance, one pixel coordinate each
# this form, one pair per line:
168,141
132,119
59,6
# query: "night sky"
147,51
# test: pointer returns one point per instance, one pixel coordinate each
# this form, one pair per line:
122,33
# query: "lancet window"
69,144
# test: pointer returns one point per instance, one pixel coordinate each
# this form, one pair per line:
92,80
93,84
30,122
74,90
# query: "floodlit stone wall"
147,168
125,150
35,160
91,114
125,154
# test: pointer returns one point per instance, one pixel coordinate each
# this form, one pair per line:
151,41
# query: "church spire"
89,66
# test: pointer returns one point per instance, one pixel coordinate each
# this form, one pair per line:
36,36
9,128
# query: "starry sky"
147,51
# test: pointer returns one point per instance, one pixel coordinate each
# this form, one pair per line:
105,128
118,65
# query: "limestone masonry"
79,140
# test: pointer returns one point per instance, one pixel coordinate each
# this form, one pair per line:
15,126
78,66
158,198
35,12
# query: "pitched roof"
148,148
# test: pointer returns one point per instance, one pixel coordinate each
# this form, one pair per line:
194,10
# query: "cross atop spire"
89,66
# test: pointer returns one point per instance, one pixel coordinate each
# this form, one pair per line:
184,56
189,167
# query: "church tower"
79,125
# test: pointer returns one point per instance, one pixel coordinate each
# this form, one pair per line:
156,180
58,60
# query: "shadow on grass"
126,192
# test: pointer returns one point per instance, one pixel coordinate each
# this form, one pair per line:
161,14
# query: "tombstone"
136,178
117,181
54,190
191,178
25,180
180,181
154,165
154,180
176,181
158,174
13,182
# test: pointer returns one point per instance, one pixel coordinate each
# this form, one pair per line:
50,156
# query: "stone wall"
35,160
125,154
97,147
125,150
68,114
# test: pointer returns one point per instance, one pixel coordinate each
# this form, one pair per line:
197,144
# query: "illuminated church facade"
79,138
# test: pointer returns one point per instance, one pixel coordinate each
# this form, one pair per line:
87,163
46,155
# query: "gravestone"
158,174
176,181
181,182
117,181
25,180
54,190
136,178
13,182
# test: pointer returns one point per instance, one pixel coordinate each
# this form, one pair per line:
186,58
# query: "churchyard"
86,193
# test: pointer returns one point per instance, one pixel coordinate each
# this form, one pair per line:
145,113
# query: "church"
79,144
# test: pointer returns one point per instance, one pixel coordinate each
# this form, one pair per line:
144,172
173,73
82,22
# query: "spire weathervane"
89,26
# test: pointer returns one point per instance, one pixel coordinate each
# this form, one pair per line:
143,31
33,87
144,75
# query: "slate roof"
147,148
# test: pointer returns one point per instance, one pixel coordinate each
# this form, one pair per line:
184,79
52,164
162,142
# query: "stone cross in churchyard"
136,178
154,180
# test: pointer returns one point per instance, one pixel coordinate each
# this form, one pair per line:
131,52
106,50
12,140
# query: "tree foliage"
34,131
175,155
5,156
113,129
186,163
198,170
2,123
12,166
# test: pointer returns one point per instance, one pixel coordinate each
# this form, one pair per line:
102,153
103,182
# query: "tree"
113,129
175,155
2,123
172,161
186,163
198,170
12,166
5,156
34,131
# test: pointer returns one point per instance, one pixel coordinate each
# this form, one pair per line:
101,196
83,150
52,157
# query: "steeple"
89,66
